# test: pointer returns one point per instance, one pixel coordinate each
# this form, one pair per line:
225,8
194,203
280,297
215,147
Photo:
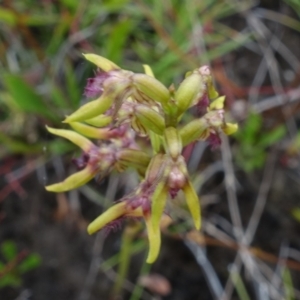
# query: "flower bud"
193,203
192,131
190,90
72,182
151,87
156,168
133,158
173,142
73,137
156,141
151,119
101,62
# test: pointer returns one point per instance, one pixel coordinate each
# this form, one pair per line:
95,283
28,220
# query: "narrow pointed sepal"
193,203
72,182
92,132
73,137
101,62
116,211
99,121
91,109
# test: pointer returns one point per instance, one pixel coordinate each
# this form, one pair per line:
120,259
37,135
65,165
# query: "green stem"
138,289
125,254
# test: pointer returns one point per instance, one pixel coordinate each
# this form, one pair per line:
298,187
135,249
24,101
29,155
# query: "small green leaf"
228,46
296,214
36,19
30,262
25,96
17,146
248,133
271,137
10,280
9,250
117,39
8,17
58,98
2,265
59,147
73,88
71,4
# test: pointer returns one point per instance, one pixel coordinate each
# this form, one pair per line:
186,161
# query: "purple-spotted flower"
126,107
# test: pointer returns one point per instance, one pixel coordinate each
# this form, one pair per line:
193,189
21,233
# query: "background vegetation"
249,247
